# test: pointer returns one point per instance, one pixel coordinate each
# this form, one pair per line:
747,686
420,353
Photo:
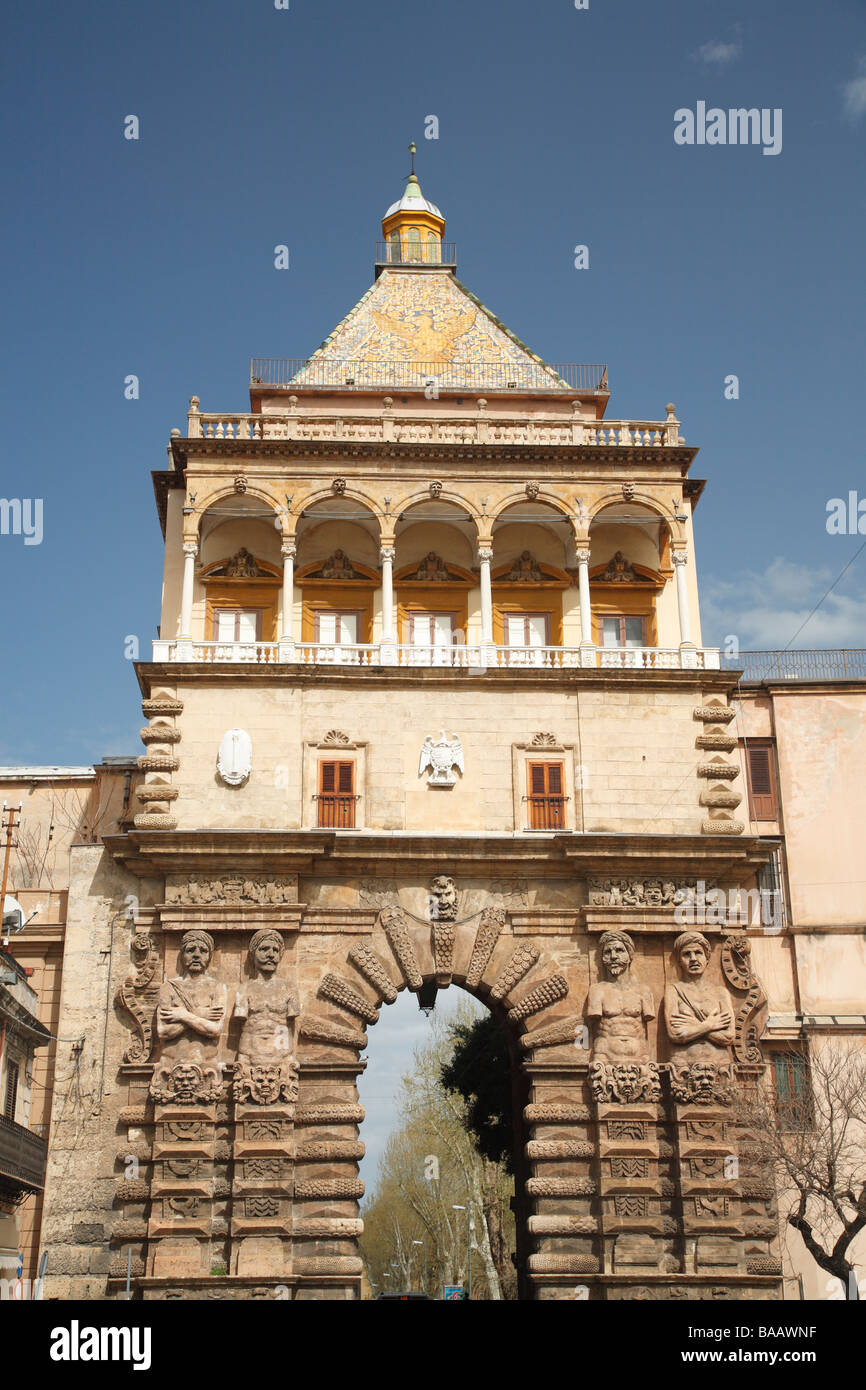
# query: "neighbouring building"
23,1140
429,705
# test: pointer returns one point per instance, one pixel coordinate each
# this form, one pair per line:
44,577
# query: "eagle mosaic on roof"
411,329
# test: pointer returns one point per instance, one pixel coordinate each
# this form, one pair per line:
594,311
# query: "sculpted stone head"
185,1080
196,951
616,950
266,949
692,951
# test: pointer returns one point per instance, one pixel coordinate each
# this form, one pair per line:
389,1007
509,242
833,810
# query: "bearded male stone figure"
267,1069
620,1004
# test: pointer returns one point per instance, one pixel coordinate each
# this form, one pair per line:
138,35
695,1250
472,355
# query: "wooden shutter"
337,795
11,1096
762,782
546,800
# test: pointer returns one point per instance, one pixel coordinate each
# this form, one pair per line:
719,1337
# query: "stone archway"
517,979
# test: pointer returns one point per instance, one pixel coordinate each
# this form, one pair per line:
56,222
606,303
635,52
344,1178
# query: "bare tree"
429,1167
811,1128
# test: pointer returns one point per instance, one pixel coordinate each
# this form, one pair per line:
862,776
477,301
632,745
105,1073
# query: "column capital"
386,553
289,549
679,557
190,548
485,553
582,554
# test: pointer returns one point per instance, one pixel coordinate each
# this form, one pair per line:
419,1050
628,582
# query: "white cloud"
764,609
716,51
854,93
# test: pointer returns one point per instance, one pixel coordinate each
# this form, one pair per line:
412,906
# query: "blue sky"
259,126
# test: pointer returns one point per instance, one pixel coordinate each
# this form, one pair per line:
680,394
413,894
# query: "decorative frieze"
233,888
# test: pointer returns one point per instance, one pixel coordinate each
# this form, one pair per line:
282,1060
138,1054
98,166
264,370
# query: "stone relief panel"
264,890
266,1070
618,1005
138,995
191,1008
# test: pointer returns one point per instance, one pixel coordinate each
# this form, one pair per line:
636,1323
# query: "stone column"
287,646
485,555
388,648
190,550
586,642
680,560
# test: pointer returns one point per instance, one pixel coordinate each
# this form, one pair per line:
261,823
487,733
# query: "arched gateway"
473,741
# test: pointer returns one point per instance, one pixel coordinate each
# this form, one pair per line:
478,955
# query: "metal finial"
413,150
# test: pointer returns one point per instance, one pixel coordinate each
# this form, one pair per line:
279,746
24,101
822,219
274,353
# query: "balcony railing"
23,1156
340,374
421,253
479,656
336,811
830,664
546,812
490,429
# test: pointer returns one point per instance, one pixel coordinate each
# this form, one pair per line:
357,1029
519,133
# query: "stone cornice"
153,852
677,458
175,673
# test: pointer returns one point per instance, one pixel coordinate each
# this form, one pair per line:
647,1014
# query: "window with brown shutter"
11,1098
546,796
336,798
761,767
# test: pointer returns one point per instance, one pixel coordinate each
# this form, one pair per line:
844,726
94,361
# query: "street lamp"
424,1243
470,1226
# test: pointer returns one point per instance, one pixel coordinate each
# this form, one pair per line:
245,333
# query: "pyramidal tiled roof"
432,328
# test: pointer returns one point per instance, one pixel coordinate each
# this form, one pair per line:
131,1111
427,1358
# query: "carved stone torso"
621,1011
266,1006
196,994
697,1001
